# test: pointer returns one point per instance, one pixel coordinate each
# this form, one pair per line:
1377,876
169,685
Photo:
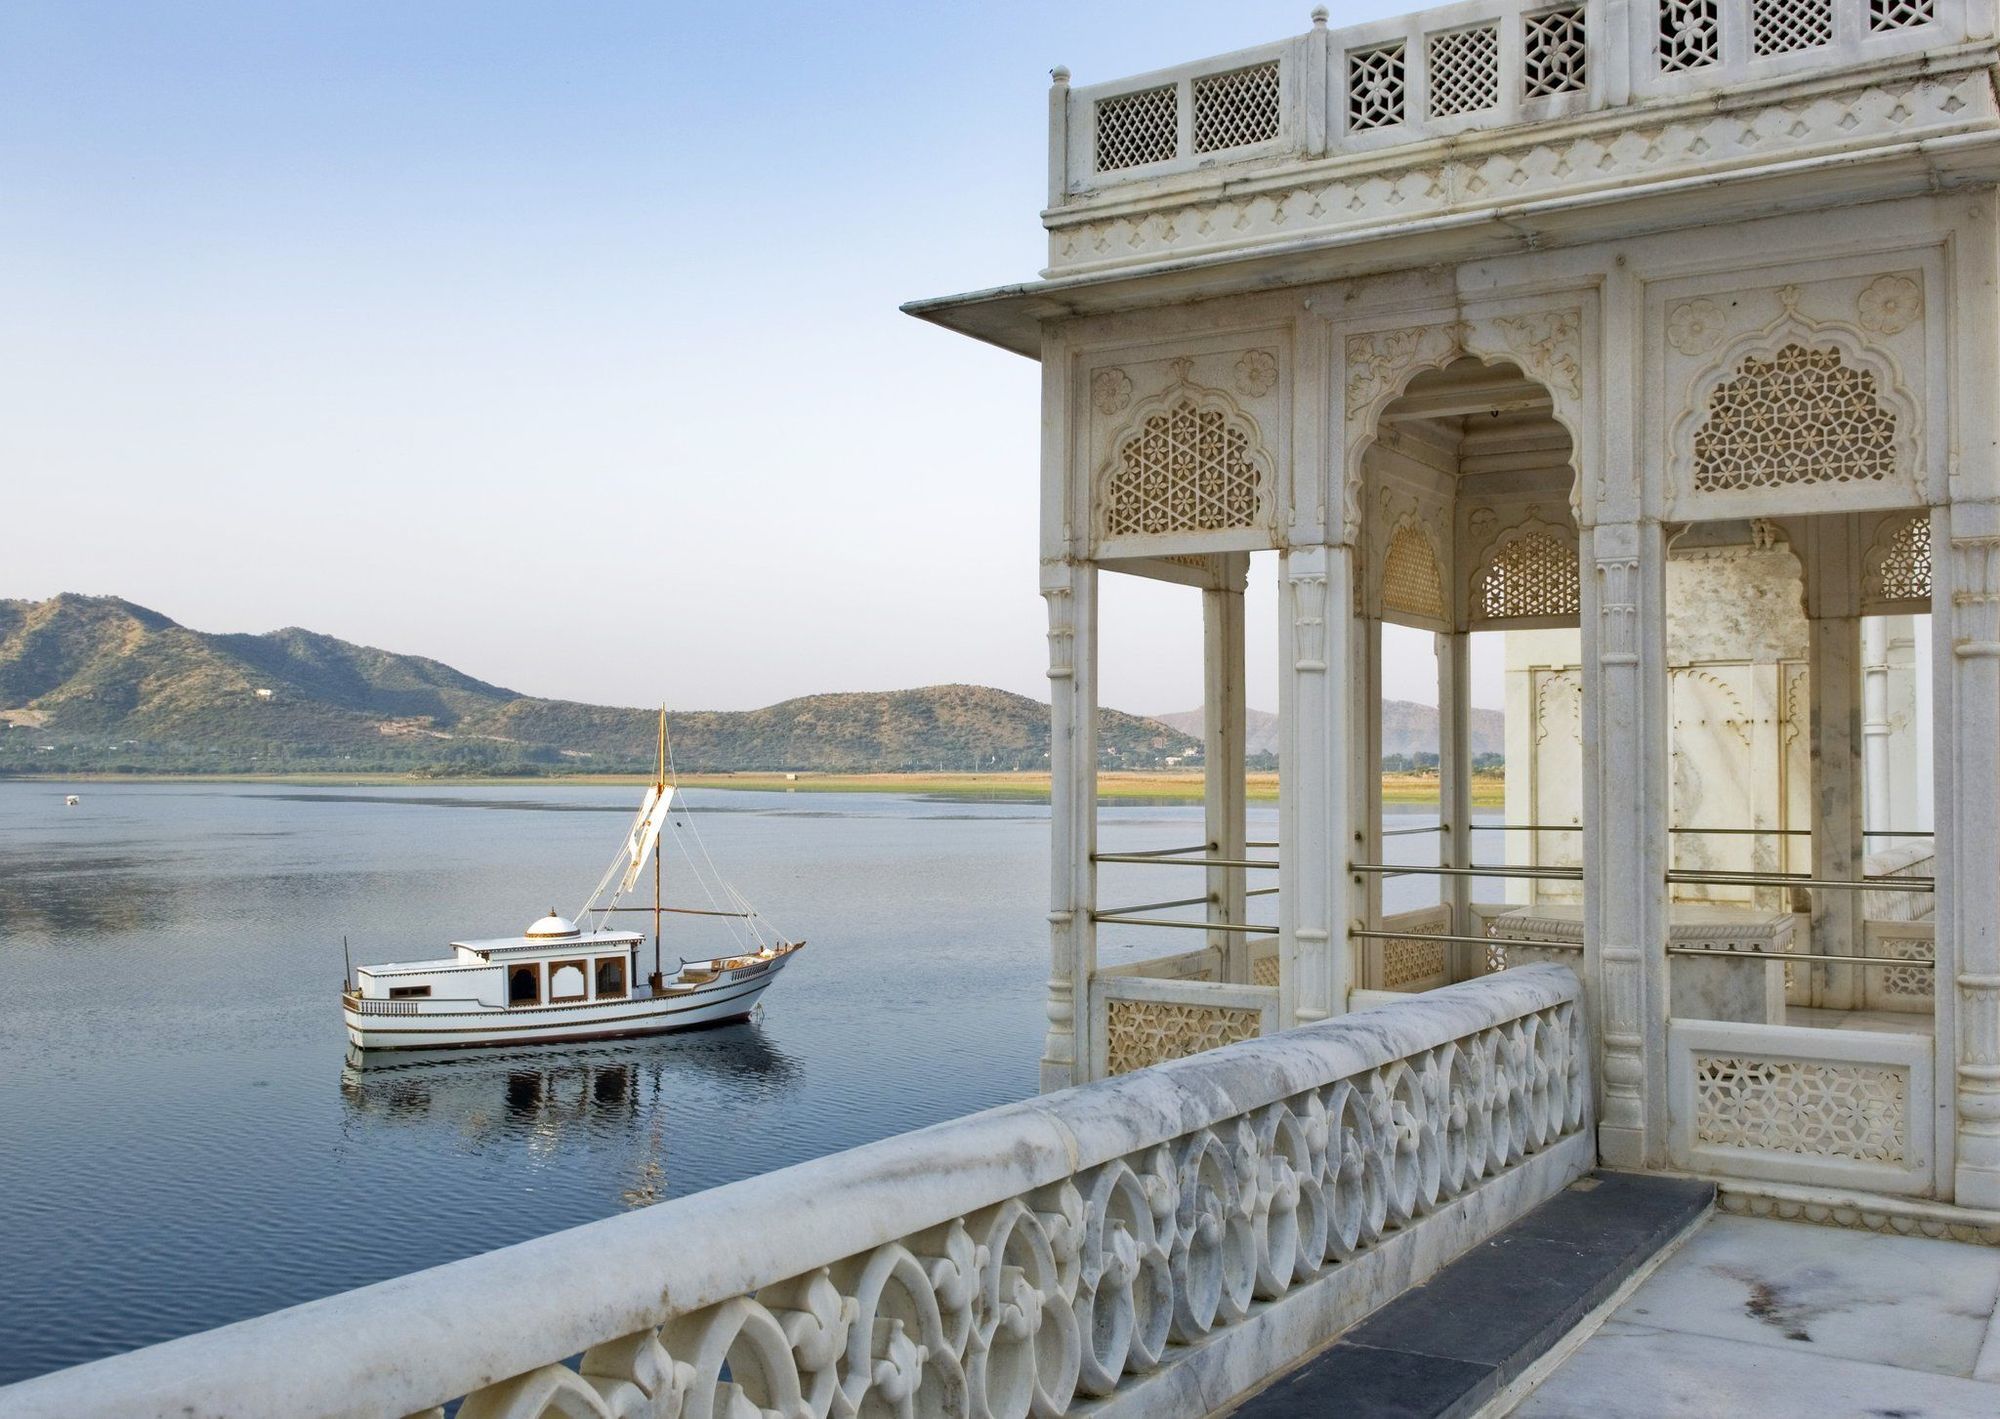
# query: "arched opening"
1467,712
524,985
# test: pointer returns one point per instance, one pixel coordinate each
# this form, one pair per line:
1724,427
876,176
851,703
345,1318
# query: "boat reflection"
542,1090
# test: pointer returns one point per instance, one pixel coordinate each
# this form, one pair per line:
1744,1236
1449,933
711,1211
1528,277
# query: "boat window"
524,985
610,976
408,992
566,980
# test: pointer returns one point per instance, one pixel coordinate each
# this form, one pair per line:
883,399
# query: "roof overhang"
1013,317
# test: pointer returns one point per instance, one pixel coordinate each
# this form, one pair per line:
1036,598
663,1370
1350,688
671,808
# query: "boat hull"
731,997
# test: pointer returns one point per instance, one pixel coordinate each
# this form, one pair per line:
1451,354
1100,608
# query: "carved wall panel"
1793,398
1838,1110
1147,1032
1896,568
1184,450
1523,566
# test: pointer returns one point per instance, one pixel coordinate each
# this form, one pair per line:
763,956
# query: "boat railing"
1165,1237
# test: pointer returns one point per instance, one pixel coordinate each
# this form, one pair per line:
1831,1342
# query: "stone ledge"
1447,1347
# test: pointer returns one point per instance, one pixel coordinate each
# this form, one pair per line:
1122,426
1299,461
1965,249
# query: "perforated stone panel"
1231,110
1904,571
1900,14
1781,26
1264,971
1532,575
1829,1109
1187,469
1464,70
1911,982
1133,129
1411,583
1139,1033
1802,416
1411,959
1690,35
1554,59
1376,91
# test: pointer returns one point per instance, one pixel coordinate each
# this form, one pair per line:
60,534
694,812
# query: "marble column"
1969,846
1454,658
1315,626
1834,653
1223,716
1625,765
1071,591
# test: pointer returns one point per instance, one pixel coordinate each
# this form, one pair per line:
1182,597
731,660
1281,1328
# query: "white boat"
569,980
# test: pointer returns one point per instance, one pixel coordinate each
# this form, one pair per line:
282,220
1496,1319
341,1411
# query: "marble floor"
1782,1319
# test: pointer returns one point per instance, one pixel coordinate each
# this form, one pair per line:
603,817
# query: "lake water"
184,1141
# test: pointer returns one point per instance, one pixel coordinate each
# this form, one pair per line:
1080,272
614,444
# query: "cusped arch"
1189,461
1896,568
1528,574
1412,582
1545,346
1796,405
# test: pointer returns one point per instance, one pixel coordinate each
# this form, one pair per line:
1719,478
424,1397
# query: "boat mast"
660,787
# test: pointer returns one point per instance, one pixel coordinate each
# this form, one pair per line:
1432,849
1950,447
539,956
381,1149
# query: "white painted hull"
730,996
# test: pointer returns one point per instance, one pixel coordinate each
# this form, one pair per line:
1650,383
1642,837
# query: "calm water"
183,1141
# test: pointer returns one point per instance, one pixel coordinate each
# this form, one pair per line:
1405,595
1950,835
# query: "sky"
561,342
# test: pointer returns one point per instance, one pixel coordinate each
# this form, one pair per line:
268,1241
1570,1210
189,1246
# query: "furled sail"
645,834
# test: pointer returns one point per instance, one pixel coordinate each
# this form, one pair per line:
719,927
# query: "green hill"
92,683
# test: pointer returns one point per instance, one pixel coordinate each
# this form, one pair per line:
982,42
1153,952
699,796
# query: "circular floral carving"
1256,372
1111,391
1695,327
1889,305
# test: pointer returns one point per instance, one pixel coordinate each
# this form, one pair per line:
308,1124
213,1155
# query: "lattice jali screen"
1233,109
1411,582
1780,26
1410,959
1139,1033
1376,90
1822,1108
1138,128
1464,69
1690,35
1264,971
1899,567
1534,574
1899,14
1911,983
1187,469
1554,58
1801,416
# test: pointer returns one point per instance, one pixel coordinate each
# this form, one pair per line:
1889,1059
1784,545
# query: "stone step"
1443,1349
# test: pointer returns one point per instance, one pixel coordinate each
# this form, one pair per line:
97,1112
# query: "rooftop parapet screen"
1488,64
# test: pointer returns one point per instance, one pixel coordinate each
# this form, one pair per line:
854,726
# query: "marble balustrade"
1148,1244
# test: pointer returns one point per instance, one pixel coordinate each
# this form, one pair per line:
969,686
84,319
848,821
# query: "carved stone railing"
1156,1243
1425,114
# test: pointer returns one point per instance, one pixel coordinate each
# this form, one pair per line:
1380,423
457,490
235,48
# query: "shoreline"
1180,786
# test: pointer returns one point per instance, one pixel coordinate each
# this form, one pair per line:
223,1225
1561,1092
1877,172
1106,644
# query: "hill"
1407,728
92,683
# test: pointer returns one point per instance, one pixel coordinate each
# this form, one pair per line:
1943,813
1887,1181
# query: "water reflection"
551,1089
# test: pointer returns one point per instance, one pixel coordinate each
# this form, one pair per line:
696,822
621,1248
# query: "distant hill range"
97,683
1407,728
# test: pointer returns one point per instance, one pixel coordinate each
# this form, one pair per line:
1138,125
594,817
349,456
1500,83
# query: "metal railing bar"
1746,832
1272,843
1409,832
1799,879
1167,851
1885,833
1181,861
1399,869
1242,927
1525,827
1162,906
1463,940
1768,956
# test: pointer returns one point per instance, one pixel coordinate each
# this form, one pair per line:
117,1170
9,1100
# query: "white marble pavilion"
1659,338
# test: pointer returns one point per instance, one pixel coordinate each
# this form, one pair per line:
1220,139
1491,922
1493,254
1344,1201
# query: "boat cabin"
553,962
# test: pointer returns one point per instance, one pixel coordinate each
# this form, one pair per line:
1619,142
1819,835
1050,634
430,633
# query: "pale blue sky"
559,342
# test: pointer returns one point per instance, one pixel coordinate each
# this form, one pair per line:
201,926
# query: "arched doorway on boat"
524,985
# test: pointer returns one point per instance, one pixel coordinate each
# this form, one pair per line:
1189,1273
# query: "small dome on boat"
552,926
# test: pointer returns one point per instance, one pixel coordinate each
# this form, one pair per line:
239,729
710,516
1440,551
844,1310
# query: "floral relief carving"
1696,327
1889,305
1256,373
1111,391
1549,344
